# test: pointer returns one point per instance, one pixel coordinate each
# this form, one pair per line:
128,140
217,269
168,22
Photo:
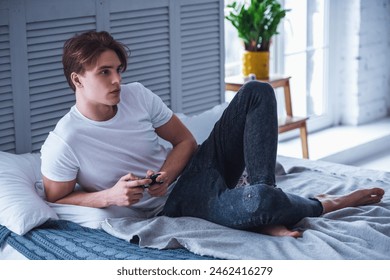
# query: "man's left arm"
184,146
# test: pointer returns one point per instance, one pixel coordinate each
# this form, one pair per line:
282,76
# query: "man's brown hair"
84,49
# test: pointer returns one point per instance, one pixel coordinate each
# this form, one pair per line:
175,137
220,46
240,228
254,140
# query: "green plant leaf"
257,22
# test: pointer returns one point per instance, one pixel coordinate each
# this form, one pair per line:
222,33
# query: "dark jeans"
246,136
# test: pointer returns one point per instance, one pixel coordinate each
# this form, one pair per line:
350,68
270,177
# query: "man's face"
101,82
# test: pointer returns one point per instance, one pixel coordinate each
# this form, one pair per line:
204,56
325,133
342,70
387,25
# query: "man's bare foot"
330,203
356,198
279,230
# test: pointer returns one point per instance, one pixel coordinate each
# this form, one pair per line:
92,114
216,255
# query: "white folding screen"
176,51
7,117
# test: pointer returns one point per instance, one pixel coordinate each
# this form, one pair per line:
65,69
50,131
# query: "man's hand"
161,187
127,191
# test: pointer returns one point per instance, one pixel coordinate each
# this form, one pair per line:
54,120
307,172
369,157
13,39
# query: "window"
305,57
301,51
233,48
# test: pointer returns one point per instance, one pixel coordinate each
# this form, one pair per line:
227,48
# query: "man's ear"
76,80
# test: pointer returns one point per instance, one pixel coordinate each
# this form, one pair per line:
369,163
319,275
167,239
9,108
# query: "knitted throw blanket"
64,240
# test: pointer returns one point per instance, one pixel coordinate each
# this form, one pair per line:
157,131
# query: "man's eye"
104,72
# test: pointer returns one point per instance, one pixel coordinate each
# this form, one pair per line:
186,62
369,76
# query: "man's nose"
117,78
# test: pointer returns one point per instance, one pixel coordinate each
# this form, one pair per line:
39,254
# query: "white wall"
364,55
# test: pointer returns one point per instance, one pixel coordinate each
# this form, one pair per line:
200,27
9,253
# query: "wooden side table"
288,123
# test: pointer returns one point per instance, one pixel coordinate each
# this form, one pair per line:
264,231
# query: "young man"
108,144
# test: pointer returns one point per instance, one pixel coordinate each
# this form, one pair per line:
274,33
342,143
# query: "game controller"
153,178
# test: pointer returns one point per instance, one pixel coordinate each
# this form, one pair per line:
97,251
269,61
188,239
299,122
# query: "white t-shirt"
99,153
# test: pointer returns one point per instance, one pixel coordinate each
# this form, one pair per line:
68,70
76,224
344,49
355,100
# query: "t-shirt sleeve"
58,161
159,112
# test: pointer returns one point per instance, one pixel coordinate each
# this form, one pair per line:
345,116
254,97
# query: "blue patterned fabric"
64,240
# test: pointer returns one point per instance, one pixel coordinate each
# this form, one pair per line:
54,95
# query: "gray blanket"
350,233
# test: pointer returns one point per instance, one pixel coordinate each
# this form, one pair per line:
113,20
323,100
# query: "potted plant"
256,22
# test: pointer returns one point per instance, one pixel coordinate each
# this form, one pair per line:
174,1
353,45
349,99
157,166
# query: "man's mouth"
116,91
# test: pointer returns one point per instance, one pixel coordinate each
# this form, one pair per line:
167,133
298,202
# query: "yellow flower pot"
256,63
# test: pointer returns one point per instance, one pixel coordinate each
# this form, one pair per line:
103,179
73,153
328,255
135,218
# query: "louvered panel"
139,69
140,26
7,131
201,61
7,125
201,45
52,105
148,50
50,59
149,80
200,32
199,67
50,95
192,89
199,38
47,120
196,100
145,31
197,106
66,11
199,57
146,60
49,74
42,31
200,80
203,88
175,51
196,95
5,74
38,93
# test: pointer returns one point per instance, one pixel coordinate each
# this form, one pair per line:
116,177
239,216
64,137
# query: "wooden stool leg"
305,148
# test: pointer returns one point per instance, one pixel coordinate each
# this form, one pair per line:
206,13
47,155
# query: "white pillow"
202,124
21,208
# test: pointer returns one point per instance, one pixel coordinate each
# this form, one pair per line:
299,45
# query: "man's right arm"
126,192
56,190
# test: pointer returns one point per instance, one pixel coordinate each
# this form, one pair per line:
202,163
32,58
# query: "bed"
32,228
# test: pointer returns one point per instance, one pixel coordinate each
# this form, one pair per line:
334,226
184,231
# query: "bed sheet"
351,233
